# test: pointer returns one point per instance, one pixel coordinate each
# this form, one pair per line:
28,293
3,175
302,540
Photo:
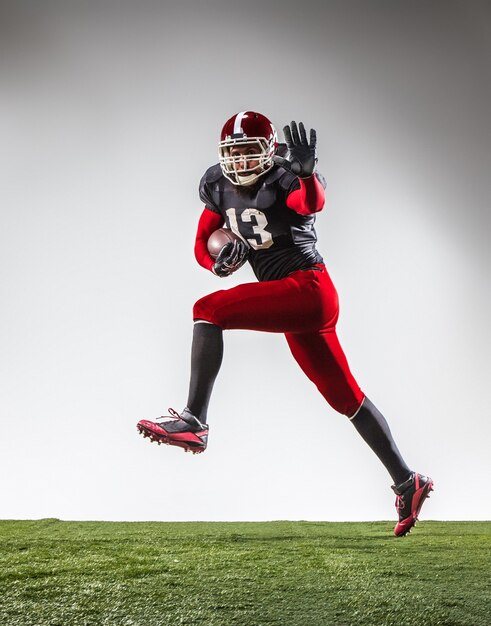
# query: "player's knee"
346,403
205,309
345,408
202,310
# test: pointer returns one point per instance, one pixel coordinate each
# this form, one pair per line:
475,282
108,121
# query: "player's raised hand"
231,257
302,154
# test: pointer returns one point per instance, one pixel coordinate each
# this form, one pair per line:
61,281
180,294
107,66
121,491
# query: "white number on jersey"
259,228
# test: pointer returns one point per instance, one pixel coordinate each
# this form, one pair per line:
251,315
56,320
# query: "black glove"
231,257
302,156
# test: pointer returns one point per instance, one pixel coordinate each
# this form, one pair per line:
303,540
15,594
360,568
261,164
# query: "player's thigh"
292,304
323,360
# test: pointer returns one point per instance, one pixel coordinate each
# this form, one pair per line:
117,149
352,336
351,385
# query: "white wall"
109,115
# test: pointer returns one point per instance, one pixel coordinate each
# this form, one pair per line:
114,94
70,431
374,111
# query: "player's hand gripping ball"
229,251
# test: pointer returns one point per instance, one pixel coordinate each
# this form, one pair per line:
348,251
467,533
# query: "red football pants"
304,306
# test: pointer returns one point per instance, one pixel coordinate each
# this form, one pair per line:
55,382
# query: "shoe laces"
173,415
400,503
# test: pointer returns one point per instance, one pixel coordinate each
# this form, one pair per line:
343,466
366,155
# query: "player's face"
244,161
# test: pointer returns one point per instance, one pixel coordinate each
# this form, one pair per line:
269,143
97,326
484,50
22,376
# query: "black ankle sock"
206,359
373,427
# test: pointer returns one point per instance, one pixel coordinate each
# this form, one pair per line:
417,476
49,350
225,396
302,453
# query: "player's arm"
208,223
309,198
231,257
301,161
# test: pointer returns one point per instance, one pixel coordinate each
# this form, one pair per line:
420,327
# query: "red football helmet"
247,129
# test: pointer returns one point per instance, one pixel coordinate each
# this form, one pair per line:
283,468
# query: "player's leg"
298,302
373,427
292,303
188,429
272,306
322,359
206,359
257,306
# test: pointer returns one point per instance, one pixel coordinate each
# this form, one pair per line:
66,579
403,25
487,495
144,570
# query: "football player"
268,194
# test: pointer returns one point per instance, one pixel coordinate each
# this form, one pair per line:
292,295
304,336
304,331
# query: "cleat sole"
187,447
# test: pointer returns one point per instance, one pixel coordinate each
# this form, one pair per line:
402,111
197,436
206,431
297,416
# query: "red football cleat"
184,431
410,497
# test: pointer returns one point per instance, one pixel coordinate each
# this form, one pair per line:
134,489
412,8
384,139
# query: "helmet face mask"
255,140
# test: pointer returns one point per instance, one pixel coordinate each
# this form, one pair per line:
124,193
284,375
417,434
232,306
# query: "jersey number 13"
253,222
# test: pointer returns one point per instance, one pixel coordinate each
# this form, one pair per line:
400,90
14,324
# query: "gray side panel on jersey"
206,187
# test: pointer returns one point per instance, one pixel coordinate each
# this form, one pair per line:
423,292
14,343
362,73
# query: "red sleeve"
208,222
309,198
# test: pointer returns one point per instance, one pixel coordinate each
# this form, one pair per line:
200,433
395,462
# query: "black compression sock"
373,427
206,359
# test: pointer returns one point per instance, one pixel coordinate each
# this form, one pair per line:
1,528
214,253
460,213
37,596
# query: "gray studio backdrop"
109,115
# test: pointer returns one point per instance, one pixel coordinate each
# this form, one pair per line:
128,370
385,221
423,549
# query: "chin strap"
247,181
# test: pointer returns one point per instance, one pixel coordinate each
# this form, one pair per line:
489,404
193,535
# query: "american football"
218,239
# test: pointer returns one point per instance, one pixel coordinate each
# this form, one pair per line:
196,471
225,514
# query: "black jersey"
281,240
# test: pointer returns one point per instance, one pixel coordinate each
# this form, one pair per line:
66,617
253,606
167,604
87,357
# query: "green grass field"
253,574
